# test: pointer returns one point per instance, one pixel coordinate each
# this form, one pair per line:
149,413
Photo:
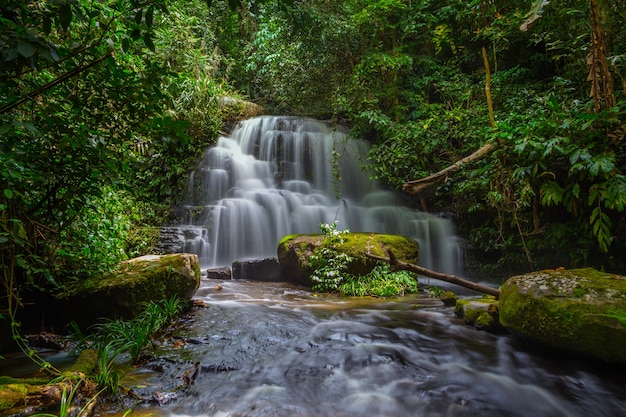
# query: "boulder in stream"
294,252
578,310
150,278
482,313
265,270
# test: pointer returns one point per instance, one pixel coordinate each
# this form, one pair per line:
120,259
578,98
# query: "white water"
275,176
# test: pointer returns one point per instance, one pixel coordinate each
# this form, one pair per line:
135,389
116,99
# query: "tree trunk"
453,279
599,74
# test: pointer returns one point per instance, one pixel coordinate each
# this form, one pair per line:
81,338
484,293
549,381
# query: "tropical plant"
381,282
133,336
329,265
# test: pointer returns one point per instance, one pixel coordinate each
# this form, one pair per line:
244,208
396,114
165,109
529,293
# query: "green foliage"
133,336
381,282
330,271
65,407
102,113
107,376
113,338
329,264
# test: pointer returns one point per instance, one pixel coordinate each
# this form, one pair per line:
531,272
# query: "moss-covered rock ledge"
579,310
294,252
150,278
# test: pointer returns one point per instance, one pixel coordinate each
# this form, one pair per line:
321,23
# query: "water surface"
262,349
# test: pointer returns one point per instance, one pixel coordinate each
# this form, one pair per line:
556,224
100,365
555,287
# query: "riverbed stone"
578,310
482,313
224,273
294,252
264,269
150,278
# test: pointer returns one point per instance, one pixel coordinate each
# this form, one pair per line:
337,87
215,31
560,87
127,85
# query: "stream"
274,349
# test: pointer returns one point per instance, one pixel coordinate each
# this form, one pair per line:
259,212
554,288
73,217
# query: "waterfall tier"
275,176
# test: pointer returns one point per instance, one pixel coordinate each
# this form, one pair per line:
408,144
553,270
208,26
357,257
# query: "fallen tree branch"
397,265
415,186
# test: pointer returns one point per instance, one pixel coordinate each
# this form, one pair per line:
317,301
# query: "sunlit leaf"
534,14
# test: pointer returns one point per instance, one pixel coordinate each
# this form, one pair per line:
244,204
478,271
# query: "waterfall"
275,176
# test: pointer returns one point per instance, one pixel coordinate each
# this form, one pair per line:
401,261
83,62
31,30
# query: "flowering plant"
330,265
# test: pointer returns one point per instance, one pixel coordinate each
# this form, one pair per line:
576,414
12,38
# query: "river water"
273,349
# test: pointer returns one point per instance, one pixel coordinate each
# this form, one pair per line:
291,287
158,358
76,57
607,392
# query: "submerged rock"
482,313
579,310
294,252
150,278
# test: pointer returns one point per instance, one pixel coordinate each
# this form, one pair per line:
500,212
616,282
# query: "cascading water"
276,176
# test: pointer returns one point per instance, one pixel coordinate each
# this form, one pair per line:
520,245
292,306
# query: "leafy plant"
133,336
381,282
65,407
329,265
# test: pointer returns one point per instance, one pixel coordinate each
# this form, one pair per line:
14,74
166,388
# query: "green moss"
11,394
7,380
581,310
86,362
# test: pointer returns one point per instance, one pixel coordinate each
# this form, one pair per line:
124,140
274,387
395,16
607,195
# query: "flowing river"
273,349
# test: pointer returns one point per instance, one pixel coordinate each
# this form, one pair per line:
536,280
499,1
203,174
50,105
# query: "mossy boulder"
150,278
481,313
20,394
294,252
578,310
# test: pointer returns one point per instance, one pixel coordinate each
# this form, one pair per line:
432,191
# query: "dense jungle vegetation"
105,106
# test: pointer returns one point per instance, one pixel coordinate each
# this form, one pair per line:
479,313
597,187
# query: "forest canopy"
106,104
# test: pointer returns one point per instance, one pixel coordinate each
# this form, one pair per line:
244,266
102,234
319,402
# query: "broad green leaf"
25,49
8,193
138,16
147,40
551,193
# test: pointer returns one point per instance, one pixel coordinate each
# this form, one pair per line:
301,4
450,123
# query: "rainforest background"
106,105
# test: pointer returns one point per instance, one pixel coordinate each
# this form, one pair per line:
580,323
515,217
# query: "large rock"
265,270
294,252
580,310
150,278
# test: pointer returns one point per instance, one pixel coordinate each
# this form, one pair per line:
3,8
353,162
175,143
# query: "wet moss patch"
580,310
151,278
482,313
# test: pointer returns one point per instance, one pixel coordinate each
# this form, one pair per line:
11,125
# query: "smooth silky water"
273,349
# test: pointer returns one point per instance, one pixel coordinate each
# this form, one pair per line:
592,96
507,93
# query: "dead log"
415,186
397,265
